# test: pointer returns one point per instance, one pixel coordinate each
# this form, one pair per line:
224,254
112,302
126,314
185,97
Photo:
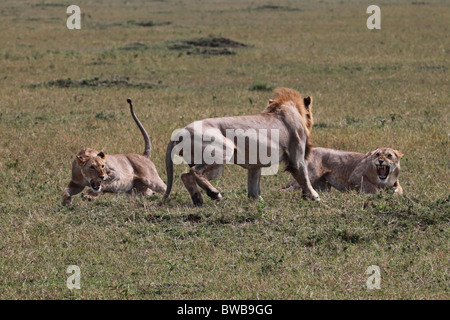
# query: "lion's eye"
103,166
389,156
378,154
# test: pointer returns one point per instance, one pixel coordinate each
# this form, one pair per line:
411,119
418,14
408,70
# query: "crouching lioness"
283,127
343,170
114,173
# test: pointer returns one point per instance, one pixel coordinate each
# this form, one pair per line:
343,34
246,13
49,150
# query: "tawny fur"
346,170
115,173
288,113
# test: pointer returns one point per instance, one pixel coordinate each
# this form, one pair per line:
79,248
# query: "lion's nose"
380,162
101,177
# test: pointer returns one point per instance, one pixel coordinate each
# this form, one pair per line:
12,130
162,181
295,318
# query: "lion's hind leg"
148,193
202,177
293,185
321,185
190,183
155,185
145,192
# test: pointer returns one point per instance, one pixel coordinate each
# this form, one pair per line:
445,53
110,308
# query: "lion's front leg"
301,176
254,183
71,189
90,195
398,190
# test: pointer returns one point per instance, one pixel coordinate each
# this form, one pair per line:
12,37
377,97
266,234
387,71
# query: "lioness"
115,173
343,170
288,117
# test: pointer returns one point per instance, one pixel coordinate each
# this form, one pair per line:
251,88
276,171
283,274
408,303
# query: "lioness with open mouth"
116,173
344,170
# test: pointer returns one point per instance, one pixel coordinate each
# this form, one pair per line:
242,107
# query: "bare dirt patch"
94,83
207,46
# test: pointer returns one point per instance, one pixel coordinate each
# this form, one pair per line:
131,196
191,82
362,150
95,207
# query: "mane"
283,96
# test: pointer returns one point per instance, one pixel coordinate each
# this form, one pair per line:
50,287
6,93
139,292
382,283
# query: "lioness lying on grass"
343,170
116,173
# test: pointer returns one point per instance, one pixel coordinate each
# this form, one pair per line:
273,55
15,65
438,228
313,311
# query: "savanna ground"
64,89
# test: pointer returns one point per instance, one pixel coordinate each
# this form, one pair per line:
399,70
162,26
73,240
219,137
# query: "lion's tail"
148,145
169,169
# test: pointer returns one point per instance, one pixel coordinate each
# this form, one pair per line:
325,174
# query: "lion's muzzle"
96,185
383,170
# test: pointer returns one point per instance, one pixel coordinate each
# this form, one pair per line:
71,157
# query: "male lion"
114,173
289,119
343,170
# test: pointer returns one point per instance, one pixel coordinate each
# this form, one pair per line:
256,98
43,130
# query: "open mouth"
95,185
383,172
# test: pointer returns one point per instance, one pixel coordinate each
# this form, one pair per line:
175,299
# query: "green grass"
64,89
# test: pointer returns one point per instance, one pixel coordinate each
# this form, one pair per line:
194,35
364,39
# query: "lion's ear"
308,102
81,161
398,154
101,155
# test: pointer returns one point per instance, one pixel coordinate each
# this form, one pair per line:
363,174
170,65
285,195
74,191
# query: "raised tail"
148,145
169,170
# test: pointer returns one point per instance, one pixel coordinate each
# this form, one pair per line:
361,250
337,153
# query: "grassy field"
62,89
